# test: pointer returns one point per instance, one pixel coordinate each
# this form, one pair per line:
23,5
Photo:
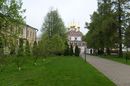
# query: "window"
75,38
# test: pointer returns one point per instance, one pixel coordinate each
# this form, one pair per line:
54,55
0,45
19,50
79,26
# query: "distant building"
29,33
75,36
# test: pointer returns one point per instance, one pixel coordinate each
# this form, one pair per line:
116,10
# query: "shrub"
71,50
27,49
77,51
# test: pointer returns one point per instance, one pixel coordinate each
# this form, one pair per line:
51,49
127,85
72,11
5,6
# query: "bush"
52,46
27,49
67,49
20,48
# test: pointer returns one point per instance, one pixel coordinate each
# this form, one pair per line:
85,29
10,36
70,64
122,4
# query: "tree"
71,50
58,45
53,24
34,49
53,37
11,22
1,47
67,49
54,45
20,48
103,29
77,50
35,52
20,53
27,49
121,7
127,37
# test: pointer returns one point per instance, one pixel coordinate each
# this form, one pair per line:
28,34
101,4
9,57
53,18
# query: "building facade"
11,38
75,37
29,33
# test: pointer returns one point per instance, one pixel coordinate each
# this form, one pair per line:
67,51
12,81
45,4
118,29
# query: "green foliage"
58,45
127,37
71,50
122,8
77,50
44,46
20,51
53,24
35,49
1,47
11,22
67,49
27,49
54,45
107,24
53,36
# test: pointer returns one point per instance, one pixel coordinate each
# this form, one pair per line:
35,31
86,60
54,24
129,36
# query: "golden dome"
73,25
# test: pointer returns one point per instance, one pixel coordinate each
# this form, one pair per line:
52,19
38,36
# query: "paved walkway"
117,72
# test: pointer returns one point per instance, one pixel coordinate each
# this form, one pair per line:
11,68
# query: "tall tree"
77,51
122,8
103,27
53,36
53,24
127,37
71,50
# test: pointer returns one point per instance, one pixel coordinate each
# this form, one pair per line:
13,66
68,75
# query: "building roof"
74,33
31,27
13,20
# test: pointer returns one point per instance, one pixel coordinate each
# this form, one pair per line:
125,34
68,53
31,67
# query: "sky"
78,11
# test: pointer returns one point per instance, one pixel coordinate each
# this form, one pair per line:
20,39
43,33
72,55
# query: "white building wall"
78,38
72,38
24,33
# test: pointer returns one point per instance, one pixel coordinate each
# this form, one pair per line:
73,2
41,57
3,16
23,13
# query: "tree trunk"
108,51
120,29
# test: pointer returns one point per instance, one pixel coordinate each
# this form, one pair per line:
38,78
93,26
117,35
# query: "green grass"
117,59
54,71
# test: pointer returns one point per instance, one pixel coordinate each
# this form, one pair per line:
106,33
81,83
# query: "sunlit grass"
54,71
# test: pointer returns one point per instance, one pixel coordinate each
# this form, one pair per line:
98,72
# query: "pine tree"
71,50
77,51
122,9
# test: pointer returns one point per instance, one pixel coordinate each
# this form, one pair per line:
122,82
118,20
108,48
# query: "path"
117,72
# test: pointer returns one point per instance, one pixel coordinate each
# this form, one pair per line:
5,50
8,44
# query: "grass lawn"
118,59
54,71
